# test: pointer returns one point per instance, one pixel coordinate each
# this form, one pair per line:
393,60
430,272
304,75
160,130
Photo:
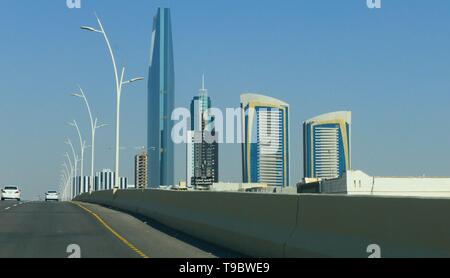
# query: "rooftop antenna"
203,82
203,90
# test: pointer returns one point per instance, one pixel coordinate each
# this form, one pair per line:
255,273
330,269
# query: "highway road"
46,230
6,205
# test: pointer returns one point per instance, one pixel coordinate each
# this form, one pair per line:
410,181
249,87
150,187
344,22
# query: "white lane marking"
15,205
7,208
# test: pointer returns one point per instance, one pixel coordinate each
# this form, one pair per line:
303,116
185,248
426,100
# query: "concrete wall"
343,226
277,225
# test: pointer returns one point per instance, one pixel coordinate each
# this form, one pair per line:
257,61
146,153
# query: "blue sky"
391,67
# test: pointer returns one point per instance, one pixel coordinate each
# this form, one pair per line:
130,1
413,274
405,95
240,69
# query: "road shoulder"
152,239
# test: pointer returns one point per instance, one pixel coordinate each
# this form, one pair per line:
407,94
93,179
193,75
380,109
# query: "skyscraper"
141,170
202,147
161,95
265,151
327,145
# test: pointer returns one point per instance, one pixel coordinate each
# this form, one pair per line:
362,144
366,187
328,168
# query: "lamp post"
118,84
66,170
67,182
62,180
82,147
63,177
75,164
71,172
63,183
94,126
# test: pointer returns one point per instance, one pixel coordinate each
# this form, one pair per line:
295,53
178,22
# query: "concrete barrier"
344,226
256,225
275,225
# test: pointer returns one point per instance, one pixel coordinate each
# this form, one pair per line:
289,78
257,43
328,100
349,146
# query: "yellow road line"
117,235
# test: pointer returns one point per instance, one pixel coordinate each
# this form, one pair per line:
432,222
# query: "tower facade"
327,145
265,151
141,171
202,146
161,96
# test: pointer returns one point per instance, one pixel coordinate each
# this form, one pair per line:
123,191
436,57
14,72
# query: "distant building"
86,184
141,170
202,158
327,145
359,183
123,183
104,180
239,187
161,102
265,151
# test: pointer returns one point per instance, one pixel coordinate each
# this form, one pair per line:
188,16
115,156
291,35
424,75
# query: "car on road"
10,192
51,196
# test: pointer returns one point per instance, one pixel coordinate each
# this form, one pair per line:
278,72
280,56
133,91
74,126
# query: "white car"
11,193
51,196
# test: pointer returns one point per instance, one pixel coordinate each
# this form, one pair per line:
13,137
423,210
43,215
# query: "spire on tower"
203,82
203,90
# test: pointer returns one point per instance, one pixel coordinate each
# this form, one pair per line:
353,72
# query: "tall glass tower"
265,151
199,106
202,148
327,145
161,97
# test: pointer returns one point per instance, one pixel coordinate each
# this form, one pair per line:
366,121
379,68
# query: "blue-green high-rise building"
265,148
327,145
161,98
202,147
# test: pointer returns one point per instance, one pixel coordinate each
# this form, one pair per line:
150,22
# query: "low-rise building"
356,182
239,187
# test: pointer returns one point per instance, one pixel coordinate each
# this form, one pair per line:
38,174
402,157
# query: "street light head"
133,80
76,95
87,28
102,125
136,79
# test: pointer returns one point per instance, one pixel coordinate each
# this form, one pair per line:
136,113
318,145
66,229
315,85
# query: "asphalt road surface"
61,230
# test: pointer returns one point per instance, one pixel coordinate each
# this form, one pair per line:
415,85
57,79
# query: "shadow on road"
213,249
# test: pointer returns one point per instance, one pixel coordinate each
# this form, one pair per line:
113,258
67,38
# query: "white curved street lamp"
63,179
82,148
68,173
94,126
64,182
66,168
118,84
75,164
66,155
